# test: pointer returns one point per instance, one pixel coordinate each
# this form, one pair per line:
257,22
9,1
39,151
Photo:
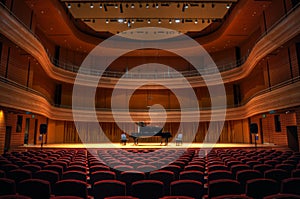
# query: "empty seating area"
147,173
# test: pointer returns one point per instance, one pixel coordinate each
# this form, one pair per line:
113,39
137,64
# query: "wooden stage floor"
150,146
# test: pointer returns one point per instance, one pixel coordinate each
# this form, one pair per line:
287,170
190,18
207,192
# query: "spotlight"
208,21
125,21
132,6
177,20
120,20
178,5
149,21
203,20
147,5
157,6
116,6
78,5
212,5
132,21
100,6
227,6
127,5
186,6
159,21
170,21
93,20
92,5
106,21
69,5
196,21
203,5
141,5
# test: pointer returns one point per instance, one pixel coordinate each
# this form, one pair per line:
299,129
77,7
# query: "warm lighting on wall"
1,115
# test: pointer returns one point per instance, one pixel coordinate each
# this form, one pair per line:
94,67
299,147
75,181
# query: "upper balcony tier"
277,36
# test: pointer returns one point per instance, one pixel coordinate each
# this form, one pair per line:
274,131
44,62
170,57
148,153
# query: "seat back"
71,188
34,188
189,188
224,187
261,187
147,189
108,188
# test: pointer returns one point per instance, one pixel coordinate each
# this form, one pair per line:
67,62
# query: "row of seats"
110,172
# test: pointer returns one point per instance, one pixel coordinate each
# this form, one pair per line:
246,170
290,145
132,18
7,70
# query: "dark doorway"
292,137
261,130
26,134
35,130
7,138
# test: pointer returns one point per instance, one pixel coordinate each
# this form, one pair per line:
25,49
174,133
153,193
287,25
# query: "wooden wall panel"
269,133
253,83
279,67
2,130
297,112
274,12
22,11
42,82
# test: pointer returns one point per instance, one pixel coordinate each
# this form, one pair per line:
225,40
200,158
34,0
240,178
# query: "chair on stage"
178,139
123,139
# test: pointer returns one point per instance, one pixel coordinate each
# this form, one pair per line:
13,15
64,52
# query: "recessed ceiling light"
69,5
116,6
100,6
177,20
149,21
106,21
147,5
196,21
120,20
92,5
170,21
228,6
159,21
132,6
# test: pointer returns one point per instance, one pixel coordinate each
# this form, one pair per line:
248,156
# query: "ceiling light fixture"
170,21
141,5
196,21
69,5
228,6
149,21
159,21
177,20
107,21
132,21
132,6
203,5
91,5
78,5
100,6
178,5
116,6
212,5
147,5
120,20
186,6
157,6
203,20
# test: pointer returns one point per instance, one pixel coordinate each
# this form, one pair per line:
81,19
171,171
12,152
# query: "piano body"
149,131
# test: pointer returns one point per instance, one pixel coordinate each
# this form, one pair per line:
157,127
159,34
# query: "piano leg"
167,141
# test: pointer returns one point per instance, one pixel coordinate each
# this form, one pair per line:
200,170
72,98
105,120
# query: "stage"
142,145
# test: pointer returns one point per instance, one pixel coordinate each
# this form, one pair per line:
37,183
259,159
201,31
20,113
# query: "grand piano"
149,131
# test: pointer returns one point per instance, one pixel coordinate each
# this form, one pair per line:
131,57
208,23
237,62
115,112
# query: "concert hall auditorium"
149,99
